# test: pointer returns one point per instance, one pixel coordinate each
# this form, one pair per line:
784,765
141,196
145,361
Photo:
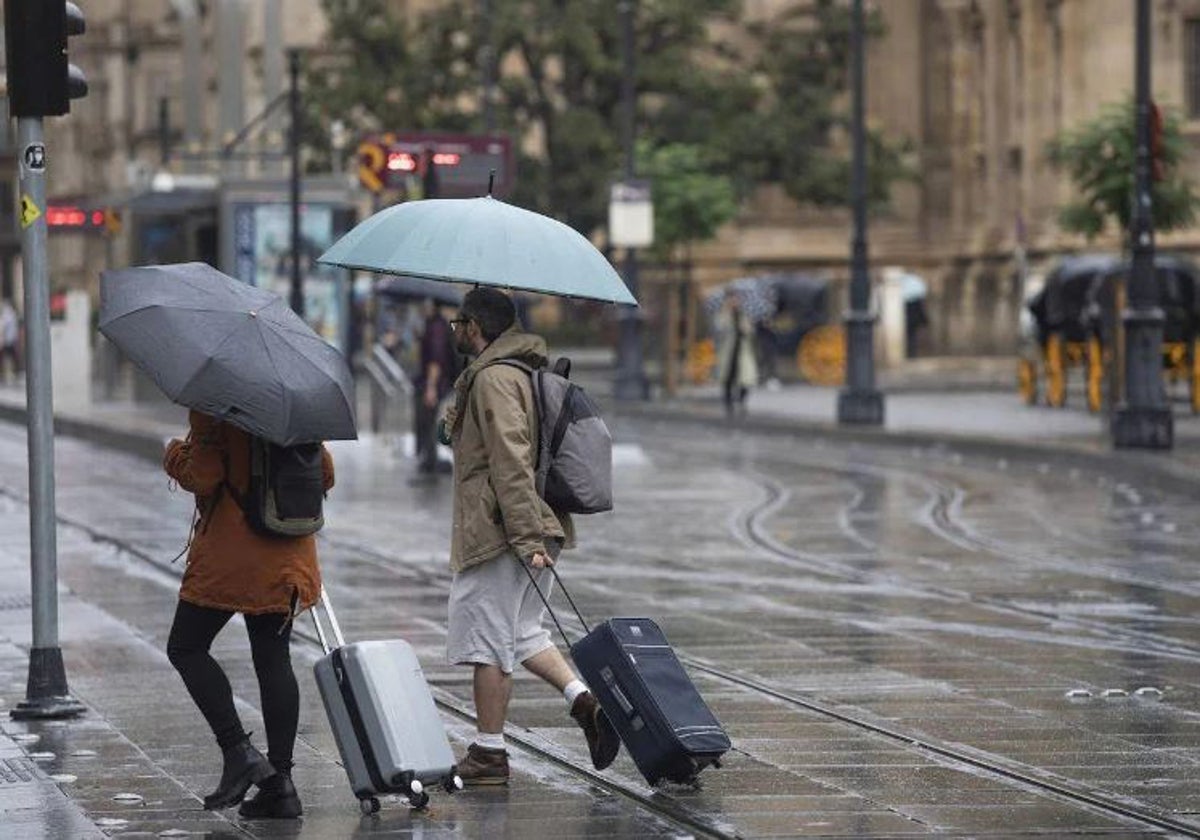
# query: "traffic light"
1158,164
41,82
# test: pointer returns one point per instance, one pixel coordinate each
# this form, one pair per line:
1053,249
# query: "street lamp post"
1143,419
859,402
631,381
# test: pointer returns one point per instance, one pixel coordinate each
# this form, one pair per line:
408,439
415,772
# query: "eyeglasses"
455,323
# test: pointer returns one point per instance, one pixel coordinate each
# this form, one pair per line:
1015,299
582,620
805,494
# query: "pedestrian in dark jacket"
500,524
232,569
434,381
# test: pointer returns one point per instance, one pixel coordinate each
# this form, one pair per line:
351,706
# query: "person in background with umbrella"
231,569
438,368
737,368
500,523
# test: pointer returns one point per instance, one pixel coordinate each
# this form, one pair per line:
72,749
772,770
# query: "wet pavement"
901,641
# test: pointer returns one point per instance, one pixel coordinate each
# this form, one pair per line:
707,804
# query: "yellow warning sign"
29,211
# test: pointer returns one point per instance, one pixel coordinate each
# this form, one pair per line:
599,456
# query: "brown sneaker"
602,739
483,766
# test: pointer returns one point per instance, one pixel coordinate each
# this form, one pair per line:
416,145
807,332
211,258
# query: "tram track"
940,516
658,803
667,806
662,803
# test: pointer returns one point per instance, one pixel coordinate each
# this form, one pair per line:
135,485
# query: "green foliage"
1099,158
691,200
766,105
803,62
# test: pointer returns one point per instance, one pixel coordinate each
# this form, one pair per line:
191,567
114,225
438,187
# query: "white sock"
489,741
573,690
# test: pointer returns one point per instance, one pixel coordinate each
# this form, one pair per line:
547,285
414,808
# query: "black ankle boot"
244,766
276,799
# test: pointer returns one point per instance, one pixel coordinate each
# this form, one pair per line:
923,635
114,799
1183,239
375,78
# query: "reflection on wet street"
899,641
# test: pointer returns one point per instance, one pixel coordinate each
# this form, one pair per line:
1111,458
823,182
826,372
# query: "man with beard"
500,523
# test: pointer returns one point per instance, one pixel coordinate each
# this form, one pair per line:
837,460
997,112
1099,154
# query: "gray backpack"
574,463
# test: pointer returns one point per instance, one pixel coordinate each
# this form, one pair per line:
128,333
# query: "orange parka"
229,566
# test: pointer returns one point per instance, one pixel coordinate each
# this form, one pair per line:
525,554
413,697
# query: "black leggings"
191,637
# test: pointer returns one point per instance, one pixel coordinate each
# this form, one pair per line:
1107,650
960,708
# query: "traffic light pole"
297,297
859,402
46,694
1143,420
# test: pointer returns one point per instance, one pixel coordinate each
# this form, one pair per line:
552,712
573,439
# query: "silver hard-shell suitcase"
383,717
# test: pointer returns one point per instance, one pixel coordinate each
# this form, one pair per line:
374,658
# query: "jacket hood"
513,343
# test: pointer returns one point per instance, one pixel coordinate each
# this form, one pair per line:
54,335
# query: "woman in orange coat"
232,569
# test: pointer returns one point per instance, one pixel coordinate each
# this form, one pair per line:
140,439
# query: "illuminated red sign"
72,217
464,161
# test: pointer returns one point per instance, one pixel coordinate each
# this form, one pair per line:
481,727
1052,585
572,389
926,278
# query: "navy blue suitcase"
663,721
670,732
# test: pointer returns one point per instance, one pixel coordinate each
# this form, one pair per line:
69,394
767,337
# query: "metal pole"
488,66
46,694
631,378
859,402
294,147
1143,420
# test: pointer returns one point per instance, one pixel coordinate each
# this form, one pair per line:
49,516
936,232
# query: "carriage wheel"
1095,374
821,356
1056,372
701,359
1027,381
1195,377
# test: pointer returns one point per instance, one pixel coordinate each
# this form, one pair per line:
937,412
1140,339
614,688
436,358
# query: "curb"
1152,467
143,444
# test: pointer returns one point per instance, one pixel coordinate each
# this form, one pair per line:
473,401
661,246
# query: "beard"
462,345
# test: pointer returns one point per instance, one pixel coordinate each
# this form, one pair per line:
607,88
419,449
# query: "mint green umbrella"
482,241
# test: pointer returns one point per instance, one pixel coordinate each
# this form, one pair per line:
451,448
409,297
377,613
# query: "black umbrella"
229,349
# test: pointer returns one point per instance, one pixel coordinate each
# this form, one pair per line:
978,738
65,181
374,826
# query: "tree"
762,104
691,201
802,59
1099,158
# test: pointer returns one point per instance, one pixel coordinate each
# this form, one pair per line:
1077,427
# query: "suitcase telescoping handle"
549,608
338,641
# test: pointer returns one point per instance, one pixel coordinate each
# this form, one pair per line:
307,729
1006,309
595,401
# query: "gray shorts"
495,616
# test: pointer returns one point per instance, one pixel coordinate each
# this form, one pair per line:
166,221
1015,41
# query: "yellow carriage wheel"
1095,374
821,356
1027,381
701,359
1195,377
1175,360
1056,372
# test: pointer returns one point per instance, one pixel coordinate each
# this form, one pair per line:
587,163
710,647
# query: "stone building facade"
978,86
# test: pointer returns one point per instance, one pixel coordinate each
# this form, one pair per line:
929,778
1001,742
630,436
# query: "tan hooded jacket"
494,433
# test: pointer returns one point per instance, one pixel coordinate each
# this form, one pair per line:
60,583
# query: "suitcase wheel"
418,800
368,805
452,783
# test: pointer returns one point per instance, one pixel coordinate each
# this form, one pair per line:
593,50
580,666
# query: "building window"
1191,51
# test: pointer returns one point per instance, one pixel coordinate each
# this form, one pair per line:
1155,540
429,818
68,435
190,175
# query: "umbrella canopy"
231,350
415,289
756,296
483,241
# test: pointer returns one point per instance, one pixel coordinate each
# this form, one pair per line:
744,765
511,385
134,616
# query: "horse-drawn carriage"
1076,320
790,313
